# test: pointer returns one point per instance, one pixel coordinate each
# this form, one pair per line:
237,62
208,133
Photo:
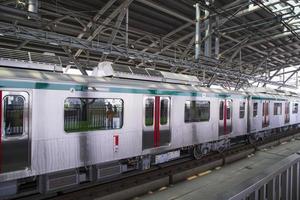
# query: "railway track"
163,174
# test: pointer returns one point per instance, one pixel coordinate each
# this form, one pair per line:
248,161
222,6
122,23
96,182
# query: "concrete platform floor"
211,184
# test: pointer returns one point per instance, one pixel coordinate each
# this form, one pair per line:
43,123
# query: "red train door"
225,117
14,140
156,128
265,114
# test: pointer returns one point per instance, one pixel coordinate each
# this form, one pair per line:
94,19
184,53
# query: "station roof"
258,39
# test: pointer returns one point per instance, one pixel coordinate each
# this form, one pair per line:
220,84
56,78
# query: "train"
60,130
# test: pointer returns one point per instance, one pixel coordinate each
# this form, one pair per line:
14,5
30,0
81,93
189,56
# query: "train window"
255,108
287,107
228,111
88,114
277,108
149,112
13,106
221,114
287,112
242,109
164,111
295,107
265,109
196,111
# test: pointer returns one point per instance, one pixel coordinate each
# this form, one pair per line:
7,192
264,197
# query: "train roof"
100,82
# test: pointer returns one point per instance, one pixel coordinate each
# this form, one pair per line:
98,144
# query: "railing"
278,182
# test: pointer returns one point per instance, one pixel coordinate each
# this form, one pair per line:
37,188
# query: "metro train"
60,130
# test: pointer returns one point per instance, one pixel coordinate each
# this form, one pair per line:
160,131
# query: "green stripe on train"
40,85
154,92
60,86
267,98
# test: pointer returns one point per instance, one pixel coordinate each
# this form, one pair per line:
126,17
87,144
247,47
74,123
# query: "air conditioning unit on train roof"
262,90
108,69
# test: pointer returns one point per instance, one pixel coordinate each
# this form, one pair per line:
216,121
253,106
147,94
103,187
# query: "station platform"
215,184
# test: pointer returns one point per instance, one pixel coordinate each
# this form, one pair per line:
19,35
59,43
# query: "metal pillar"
217,39
127,20
297,80
198,33
207,45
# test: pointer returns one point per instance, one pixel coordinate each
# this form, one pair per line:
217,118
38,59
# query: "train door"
14,140
265,114
287,112
156,128
225,117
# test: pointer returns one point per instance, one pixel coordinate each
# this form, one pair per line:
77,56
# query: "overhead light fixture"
131,57
53,43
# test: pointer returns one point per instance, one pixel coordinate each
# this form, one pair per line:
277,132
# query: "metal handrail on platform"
280,181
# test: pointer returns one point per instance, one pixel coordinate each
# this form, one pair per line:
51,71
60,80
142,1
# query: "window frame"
275,108
144,112
244,110
255,110
168,111
193,121
297,111
268,109
25,95
96,129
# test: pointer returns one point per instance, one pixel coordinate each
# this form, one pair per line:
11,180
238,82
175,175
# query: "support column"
198,33
208,24
217,39
126,36
297,80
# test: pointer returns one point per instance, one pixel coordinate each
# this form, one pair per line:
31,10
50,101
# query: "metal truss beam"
117,25
166,10
78,65
104,23
97,17
170,34
175,42
290,76
209,66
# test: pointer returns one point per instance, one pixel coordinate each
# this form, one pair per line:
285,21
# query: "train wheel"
253,138
200,151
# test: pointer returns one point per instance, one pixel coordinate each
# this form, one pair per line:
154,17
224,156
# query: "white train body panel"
52,149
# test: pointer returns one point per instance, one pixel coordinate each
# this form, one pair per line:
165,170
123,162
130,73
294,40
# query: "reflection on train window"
13,107
149,112
265,109
287,107
265,113
287,112
196,111
164,111
295,107
228,109
255,107
87,114
221,110
242,109
277,108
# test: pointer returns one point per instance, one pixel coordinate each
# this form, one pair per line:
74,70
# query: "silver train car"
60,130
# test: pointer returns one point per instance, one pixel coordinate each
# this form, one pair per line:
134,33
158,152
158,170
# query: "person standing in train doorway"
109,115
